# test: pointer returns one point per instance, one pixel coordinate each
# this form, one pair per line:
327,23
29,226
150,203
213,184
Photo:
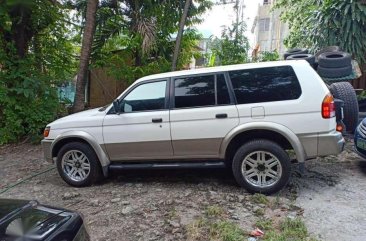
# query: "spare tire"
295,51
308,57
334,72
335,59
345,92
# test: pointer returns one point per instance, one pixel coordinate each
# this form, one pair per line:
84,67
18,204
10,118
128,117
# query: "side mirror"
116,107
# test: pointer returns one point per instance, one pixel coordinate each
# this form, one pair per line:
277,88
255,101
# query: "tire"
345,92
273,151
308,57
327,49
65,165
295,51
334,60
334,72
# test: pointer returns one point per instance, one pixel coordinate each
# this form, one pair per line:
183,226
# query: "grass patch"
196,230
290,229
259,199
226,231
264,224
214,211
259,212
172,213
207,229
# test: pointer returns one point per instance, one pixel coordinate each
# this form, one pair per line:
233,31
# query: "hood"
27,220
88,118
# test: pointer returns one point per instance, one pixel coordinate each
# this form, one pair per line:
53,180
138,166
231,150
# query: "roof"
222,68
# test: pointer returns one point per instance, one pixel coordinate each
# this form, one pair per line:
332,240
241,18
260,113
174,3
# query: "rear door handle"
221,116
157,120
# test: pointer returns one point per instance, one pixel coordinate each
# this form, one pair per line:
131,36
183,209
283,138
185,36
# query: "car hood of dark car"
20,218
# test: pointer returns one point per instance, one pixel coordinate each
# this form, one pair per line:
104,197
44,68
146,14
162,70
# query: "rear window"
265,84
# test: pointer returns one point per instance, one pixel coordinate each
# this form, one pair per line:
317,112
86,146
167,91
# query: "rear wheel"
261,166
78,165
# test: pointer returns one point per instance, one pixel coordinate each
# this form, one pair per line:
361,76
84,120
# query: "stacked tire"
297,54
334,64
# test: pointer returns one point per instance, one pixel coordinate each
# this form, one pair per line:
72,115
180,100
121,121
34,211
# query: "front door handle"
157,120
221,116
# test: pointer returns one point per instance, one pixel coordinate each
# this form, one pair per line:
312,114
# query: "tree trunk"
91,10
180,34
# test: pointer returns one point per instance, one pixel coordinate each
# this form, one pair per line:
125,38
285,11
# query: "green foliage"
232,47
28,99
136,40
319,23
268,56
27,102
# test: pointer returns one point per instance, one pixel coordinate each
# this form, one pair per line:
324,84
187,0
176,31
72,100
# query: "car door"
202,113
141,130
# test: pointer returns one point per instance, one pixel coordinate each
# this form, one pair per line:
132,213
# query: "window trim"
167,96
233,91
172,90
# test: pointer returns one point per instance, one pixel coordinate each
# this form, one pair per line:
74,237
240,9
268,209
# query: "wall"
103,89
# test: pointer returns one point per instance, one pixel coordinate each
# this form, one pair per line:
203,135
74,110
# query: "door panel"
197,132
134,135
202,116
142,130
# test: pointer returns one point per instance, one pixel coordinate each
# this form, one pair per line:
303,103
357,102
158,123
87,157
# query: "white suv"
243,116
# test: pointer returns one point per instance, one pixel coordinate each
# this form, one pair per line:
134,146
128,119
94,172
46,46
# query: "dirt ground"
162,205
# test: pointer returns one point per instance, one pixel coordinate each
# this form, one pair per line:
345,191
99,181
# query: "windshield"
34,224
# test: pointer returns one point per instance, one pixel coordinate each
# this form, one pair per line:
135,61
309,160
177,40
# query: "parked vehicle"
360,139
29,221
242,116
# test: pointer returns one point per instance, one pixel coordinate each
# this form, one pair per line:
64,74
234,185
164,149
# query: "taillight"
46,131
328,107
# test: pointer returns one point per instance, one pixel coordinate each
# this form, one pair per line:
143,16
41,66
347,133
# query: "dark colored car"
29,221
360,139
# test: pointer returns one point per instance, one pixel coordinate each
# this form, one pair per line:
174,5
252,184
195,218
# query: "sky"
221,15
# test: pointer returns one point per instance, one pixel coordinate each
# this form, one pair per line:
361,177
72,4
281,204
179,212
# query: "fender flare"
284,131
102,156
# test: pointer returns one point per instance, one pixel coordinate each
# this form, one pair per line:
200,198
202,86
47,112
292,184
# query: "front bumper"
331,143
46,146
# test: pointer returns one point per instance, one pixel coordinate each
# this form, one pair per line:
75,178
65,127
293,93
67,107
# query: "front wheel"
78,164
261,166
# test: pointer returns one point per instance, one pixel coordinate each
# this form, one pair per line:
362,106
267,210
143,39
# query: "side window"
265,84
145,97
198,91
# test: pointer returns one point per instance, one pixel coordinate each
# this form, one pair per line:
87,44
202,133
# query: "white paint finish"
201,124
257,112
88,118
135,127
302,115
